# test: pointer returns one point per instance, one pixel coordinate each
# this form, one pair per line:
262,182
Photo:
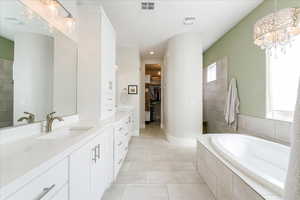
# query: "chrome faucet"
30,118
50,119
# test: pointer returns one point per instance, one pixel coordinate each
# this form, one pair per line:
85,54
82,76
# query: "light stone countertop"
24,159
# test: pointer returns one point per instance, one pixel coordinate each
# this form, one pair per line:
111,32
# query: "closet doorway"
153,94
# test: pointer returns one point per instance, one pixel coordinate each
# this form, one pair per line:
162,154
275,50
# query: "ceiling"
151,29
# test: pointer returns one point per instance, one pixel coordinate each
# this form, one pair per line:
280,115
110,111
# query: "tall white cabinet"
97,58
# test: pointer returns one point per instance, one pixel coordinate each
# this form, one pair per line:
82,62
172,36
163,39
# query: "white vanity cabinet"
46,186
83,170
91,168
122,136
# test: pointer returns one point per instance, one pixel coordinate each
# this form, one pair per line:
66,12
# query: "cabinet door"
80,163
98,177
110,158
102,169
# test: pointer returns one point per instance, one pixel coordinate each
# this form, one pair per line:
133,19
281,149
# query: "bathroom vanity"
79,160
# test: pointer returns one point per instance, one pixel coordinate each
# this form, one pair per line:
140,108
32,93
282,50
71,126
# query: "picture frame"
132,89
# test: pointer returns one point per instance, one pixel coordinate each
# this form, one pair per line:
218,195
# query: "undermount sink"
68,132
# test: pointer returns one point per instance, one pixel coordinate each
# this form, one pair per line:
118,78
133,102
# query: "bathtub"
264,161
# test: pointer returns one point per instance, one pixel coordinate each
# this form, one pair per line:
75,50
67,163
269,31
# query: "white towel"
292,184
232,105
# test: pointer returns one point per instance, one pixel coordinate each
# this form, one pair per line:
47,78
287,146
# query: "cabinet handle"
120,144
98,147
126,134
120,129
109,109
45,192
110,99
94,154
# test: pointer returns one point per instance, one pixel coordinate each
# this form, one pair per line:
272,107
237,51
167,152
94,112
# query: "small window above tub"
211,73
283,74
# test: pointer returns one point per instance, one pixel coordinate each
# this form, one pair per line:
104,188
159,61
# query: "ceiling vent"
189,20
147,5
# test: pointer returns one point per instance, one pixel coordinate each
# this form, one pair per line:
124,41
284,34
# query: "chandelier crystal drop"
278,29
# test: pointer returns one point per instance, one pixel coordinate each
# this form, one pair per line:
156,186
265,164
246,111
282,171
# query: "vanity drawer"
46,185
63,194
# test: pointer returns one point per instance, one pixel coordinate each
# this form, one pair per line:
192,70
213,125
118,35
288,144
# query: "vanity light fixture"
151,52
53,5
70,22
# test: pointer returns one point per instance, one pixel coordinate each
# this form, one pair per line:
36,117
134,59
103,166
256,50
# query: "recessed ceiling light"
189,20
151,52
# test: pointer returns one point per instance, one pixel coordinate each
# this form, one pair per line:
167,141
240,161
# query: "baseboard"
135,133
181,141
162,126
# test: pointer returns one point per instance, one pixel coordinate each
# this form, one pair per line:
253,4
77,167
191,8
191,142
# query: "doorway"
153,94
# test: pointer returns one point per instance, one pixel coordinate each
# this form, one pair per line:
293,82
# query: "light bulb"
70,22
53,7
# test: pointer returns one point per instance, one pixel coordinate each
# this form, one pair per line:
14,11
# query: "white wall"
146,61
33,75
128,61
183,88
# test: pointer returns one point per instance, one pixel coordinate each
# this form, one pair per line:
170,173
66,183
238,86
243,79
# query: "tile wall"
6,93
278,131
214,98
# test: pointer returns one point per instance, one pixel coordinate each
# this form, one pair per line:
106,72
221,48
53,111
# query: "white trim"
181,141
135,133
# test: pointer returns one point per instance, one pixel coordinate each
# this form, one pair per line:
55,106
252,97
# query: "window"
283,72
211,73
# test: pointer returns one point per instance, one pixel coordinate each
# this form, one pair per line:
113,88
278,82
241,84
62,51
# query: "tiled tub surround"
275,130
224,180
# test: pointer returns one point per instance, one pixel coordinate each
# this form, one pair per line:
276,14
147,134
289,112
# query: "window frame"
271,114
212,65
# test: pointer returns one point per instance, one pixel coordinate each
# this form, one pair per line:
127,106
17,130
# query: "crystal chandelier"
277,29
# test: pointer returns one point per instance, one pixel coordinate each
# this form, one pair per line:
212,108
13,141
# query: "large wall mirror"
38,68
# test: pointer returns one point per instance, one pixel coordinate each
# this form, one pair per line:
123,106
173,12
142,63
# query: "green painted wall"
247,63
6,49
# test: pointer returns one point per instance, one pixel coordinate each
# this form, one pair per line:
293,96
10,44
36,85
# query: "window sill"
280,117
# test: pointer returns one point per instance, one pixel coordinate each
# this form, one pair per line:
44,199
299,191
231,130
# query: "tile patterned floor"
157,170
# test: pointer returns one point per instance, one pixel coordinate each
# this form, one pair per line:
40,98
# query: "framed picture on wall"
132,89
